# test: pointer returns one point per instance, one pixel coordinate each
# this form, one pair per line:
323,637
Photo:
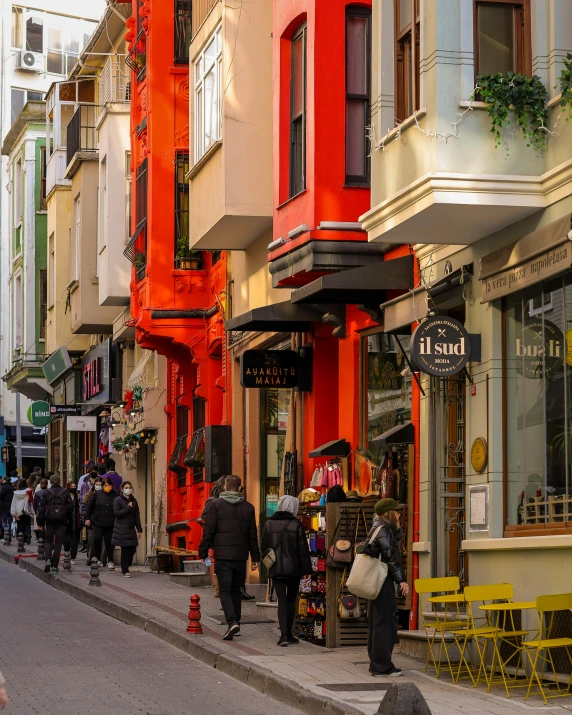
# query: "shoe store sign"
440,346
267,369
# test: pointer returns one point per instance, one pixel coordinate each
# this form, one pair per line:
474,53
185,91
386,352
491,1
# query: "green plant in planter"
139,262
565,85
183,250
524,97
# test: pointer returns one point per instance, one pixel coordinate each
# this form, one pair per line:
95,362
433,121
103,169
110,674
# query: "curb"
251,674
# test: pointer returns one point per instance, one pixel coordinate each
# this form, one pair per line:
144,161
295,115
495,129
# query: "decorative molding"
563,541
182,138
183,88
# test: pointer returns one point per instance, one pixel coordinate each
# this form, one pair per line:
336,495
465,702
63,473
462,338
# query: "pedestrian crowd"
91,516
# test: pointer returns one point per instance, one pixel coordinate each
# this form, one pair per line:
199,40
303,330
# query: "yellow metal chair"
481,632
548,607
438,622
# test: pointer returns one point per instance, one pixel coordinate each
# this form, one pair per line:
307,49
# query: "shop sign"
440,346
269,368
55,366
39,413
539,349
64,410
91,386
95,374
84,423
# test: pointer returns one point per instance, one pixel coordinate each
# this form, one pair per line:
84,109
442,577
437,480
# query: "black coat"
284,533
75,522
386,545
127,520
6,496
54,489
100,508
231,530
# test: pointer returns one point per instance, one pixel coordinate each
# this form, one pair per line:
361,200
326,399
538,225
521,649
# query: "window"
102,200
17,26
71,50
43,302
538,393
407,28
55,51
18,99
43,169
358,69
183,17
502,37
208,81
128,200
75,241
18,193
298,113
51,270
18,312
35,34
181,207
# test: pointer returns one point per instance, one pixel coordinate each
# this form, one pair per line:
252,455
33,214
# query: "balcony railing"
114,82
55,170
137,57
183,31
81,132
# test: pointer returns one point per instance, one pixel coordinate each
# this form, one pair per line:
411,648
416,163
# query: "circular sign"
39,413
539,349
440,346
479,455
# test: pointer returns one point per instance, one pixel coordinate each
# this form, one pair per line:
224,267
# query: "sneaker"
233,630
127,575
292,640
55,569
283,641
72,562
111,566
47,567
100,564
393,673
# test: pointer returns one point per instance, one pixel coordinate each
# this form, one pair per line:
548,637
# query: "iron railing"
137,57
81,132
114,82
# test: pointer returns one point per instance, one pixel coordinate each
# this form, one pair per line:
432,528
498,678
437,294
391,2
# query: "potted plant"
139,262
186,258
195,260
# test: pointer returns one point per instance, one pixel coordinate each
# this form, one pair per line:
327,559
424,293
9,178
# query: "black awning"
400,434
363,285
280,318
335,448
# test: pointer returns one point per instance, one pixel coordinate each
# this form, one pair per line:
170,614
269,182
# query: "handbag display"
340,552
348,606
367,574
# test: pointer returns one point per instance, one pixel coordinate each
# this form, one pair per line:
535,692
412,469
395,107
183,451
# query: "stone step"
184,578
267,610
414,644
258,590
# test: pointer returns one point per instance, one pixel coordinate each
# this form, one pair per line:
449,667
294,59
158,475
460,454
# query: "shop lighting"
276,244
298,231
340,226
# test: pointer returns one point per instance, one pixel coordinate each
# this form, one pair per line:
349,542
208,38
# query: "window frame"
40,22
402,82
18,198
364,179
17,27
183,30
200,72
51,270
523,40
293,188
43,177
43,296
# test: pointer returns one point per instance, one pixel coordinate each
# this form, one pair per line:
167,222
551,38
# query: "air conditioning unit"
30,61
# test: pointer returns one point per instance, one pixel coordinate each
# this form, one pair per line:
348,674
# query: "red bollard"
195,615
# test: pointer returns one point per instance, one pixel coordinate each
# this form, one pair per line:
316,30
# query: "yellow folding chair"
539,651
438,622
478,630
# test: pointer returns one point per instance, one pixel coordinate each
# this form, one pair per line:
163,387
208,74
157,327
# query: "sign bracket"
409,365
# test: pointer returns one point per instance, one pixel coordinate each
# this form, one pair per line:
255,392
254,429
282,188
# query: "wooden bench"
171,551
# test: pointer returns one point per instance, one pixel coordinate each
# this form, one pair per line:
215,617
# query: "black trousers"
382,628
231,577
71,543
24,525
55,533
287,593
102,534
127,554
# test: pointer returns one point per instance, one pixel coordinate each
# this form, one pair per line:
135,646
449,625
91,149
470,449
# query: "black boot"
246,596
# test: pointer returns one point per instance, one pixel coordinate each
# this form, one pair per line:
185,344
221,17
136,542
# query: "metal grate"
195,456
114,82
81,132
137,57
183,31
174,465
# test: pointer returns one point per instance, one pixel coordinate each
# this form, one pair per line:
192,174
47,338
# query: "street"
62,657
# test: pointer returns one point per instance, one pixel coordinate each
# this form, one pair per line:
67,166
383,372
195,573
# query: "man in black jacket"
230,529
6,495
54,513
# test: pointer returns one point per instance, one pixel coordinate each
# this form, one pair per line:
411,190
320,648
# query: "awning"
533,258
335,448
443,294
33,450
400,434
365,285
280,318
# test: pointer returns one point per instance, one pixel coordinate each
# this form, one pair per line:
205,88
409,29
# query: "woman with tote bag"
382,620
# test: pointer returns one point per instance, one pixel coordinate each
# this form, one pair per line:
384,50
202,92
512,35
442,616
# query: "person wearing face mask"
127,529
99,515
73,527
96,486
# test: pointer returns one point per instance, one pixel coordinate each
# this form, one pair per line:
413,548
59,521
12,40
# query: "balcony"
56,171
27,377
81,137
137,57
114,83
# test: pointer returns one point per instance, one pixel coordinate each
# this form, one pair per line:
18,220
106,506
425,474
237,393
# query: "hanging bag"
340,552
367,575
348,606
269,555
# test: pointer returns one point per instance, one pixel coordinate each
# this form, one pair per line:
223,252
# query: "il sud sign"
441,346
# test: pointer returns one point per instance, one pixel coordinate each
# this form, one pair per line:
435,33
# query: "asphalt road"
61,657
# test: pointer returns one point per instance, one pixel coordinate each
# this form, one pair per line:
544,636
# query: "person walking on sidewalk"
22,510
116,479
6,496
96,487
230,529
285,535
127,528
41,490
73,526
100,517
89,467
55,511
381,616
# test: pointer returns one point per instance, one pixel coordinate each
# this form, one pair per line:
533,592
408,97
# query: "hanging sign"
269,368
95,374
85,423
39,413
64,410
440,346
539,349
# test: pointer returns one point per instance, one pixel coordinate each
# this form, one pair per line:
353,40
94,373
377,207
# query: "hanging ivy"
524,97
565,85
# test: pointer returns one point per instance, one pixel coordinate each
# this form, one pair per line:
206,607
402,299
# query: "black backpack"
56,507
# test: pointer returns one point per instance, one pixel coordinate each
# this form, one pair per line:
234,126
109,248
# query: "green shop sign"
39,413
55,366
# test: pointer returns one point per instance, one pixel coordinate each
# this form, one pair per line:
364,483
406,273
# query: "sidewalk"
308,677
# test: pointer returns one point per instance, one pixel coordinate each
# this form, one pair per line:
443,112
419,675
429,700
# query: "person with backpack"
55,511
100,516
22,510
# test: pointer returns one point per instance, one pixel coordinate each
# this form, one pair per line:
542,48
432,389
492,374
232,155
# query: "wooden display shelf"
554,509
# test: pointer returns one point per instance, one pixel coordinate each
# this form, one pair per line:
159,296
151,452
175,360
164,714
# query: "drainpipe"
416,421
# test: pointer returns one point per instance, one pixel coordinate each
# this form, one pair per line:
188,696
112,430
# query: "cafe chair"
540,651
436,623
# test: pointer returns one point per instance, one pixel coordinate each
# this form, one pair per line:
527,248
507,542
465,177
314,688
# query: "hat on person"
387,504
307,496
352,495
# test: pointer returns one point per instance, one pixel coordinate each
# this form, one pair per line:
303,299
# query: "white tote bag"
367,575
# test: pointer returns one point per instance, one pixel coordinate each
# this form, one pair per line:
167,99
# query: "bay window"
502,37
208,95
298,113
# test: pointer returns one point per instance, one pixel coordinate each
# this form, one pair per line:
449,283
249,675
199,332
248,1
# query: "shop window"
538,393
298,113
208,94
407,75
358,82
275,413
502,37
